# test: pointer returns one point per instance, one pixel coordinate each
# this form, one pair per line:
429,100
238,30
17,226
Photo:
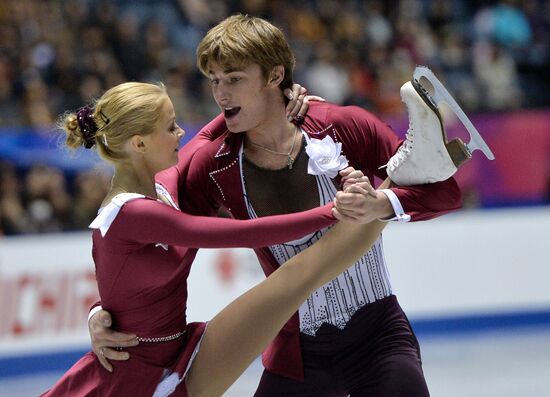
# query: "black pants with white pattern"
375,355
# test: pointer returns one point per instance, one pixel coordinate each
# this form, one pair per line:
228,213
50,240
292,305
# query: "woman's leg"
243,329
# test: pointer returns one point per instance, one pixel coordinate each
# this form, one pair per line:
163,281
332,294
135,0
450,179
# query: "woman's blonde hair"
123,111
240,40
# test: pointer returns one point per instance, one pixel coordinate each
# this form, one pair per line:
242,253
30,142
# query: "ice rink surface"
511,363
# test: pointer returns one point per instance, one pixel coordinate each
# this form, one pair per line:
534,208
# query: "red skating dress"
143,250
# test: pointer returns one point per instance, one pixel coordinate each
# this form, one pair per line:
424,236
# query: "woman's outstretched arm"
239,333
148,221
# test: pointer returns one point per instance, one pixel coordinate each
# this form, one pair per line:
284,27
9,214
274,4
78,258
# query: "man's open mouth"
230,112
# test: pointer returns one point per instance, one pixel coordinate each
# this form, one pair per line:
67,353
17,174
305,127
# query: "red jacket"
211,175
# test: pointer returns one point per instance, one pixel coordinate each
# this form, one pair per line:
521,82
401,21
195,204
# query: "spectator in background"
501,31
10,109
40,204
13,217
46,199
510,26
495,71
533,60
328,74
127,46
90,187
37,105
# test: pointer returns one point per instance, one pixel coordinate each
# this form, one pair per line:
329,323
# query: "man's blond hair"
240,40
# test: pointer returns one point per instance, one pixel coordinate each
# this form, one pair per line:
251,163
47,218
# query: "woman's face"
163,143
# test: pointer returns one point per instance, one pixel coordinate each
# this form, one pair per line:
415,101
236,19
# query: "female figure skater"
143,249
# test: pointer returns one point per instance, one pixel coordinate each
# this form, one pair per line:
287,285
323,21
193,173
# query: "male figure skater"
350,337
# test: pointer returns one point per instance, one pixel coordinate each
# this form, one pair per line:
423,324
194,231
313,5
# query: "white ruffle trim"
167,385
107,214
171,380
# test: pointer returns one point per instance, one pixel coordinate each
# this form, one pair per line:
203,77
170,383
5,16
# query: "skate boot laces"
405,149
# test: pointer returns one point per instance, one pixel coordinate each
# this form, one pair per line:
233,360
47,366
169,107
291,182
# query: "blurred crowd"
44,199
57,55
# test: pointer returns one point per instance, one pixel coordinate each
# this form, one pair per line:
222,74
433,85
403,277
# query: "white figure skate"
427,156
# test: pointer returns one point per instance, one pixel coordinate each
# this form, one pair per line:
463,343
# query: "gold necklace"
290,159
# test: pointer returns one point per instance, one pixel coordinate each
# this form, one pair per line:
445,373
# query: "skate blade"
436,93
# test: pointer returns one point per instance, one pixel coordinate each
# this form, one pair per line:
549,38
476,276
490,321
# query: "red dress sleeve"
149,221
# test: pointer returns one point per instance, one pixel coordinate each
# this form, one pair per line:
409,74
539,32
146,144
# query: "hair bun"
87,125
72,124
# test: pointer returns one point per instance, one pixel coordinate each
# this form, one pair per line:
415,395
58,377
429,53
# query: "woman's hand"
299,102
359,202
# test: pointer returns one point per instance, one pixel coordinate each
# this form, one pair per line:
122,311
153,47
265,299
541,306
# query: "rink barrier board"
426,328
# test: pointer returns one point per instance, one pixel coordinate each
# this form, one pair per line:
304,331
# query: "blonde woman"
143,249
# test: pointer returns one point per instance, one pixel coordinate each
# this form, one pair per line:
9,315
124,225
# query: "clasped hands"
358,201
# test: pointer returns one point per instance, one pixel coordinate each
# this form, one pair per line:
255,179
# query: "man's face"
242,95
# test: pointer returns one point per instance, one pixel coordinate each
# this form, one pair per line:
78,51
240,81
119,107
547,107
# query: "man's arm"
105,341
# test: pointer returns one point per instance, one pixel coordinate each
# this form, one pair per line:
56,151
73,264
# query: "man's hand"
359,202
351,176
299,102
106,343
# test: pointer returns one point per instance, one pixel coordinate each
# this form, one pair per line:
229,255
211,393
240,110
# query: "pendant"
289,162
